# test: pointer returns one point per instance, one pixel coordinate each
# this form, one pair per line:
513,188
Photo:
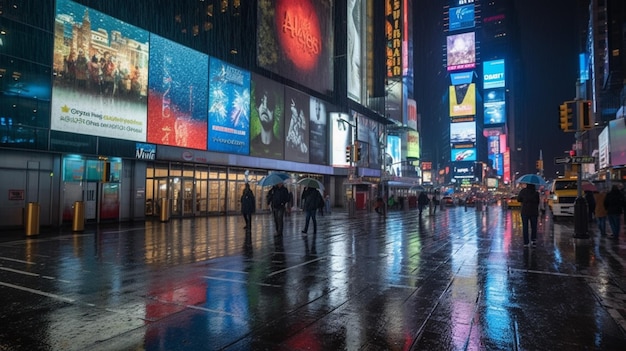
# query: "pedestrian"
613,202
591,205
270,196
289,205
322,205
436,200
247,206
311,200
327,203
529,198
379,207
280,198
422,201
600,211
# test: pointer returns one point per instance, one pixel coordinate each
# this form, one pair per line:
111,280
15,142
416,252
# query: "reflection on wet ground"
458,280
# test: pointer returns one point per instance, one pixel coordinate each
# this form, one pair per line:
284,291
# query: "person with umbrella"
279,198
311,200
529,198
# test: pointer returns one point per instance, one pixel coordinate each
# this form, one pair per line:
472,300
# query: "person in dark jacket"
311,199
422,202
614,202
280,198
248,205
529,198
591,205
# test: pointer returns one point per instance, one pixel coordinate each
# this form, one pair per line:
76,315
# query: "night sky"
550,47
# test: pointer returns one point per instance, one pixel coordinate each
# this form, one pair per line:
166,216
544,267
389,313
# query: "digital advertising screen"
229,108
463,170
493,144
394,28
393,157
617,142
318,152
356,43
340,137
497,165
177,95
463,135
295,40
368,133
493,74
101,74
461,17
267,118
460,78
494,106
463,155
297,110
461,51
411,114
412,145
462,100
603,148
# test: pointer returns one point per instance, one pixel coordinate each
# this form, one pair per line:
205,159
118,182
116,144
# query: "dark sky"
549,49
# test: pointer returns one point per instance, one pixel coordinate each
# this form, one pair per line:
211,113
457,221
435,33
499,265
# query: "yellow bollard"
78,222
31,225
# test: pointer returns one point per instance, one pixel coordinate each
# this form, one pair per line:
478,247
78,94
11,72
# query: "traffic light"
585,115
566,116
539,164
357,152
349,153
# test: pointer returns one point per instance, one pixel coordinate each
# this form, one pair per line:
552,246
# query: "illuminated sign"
412,145
494,106
145,151
461,51
297,114
462,155
493,144
463,170
493,74
393,160
393,12
461,17
340,138
583,63
461,78
411,115
267,118
462,100
463,135
356,43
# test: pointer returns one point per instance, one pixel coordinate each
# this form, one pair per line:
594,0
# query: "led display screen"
493,74
340,138
494,106
461,51
412,145
100,74
355,58
462,155
463,135
461,17
493,144
617,142
318,153
463,170
462,100
603,148
460,78
177,95
297,112
229,108
267,118
295,41
393,158
368,133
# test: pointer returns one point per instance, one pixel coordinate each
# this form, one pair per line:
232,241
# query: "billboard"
617,142
99,85
493,74
340,138
494,106
356,43
229,108
267,118
460,78
295,40
297,112
462,100
468,154
368,135
393,32
318,126
177,95
463,135
393,157
461,51
412,145
461,17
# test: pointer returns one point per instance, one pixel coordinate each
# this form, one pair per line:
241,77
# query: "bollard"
165,210
31,227
581,228
78,222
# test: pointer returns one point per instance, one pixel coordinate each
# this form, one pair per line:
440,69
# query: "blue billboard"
468,154
229,108
494,106
493,74
461,17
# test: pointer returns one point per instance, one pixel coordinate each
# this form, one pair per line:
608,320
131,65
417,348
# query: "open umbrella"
273,179
531,179
311,183
587,186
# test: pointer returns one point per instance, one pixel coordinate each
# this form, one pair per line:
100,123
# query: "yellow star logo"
65,109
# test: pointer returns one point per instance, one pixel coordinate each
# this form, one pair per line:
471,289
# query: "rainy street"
456,280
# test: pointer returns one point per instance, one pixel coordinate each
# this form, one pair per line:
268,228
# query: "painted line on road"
38,292
239,281
552,273
212,310
16,260
17,271
227,270
296,266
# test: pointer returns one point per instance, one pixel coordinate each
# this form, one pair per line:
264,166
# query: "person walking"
614,202
529,198
280,198
591,205
600,211
311,199
436,199
422,201
248,205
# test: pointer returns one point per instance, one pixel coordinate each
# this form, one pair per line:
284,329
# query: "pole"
581,228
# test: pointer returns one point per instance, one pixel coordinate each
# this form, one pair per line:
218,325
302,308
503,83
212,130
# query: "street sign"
562,160
583,159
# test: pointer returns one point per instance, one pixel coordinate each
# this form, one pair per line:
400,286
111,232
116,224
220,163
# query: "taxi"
512,202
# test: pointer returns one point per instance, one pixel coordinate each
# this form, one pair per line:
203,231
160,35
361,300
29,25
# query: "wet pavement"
458,280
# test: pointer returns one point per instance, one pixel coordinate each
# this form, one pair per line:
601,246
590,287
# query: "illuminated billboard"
393,32
99,86
229,108
494,106
461,51
393,157
295,40
461,17
297,112
340,138
460,78
368,135
177,95
463,135
493,74
267,118
412,145
462,155
355,45
318,126
411,114
617,142
462,100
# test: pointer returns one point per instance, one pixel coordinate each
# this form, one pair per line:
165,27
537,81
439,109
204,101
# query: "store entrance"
181,193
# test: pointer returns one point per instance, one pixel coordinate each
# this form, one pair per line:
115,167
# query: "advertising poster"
463,155
494,106
393,160
462,100
463,135
493,74
297,123
368,133
355,66
100,74
617,142
317,133
229,108
412,145
461,17
340,138
295,40
267,118
461,51
177,95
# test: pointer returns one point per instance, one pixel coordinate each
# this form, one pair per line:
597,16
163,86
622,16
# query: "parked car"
448,201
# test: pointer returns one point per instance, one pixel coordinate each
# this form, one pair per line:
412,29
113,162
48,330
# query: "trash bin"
31,225
164,215
78,222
